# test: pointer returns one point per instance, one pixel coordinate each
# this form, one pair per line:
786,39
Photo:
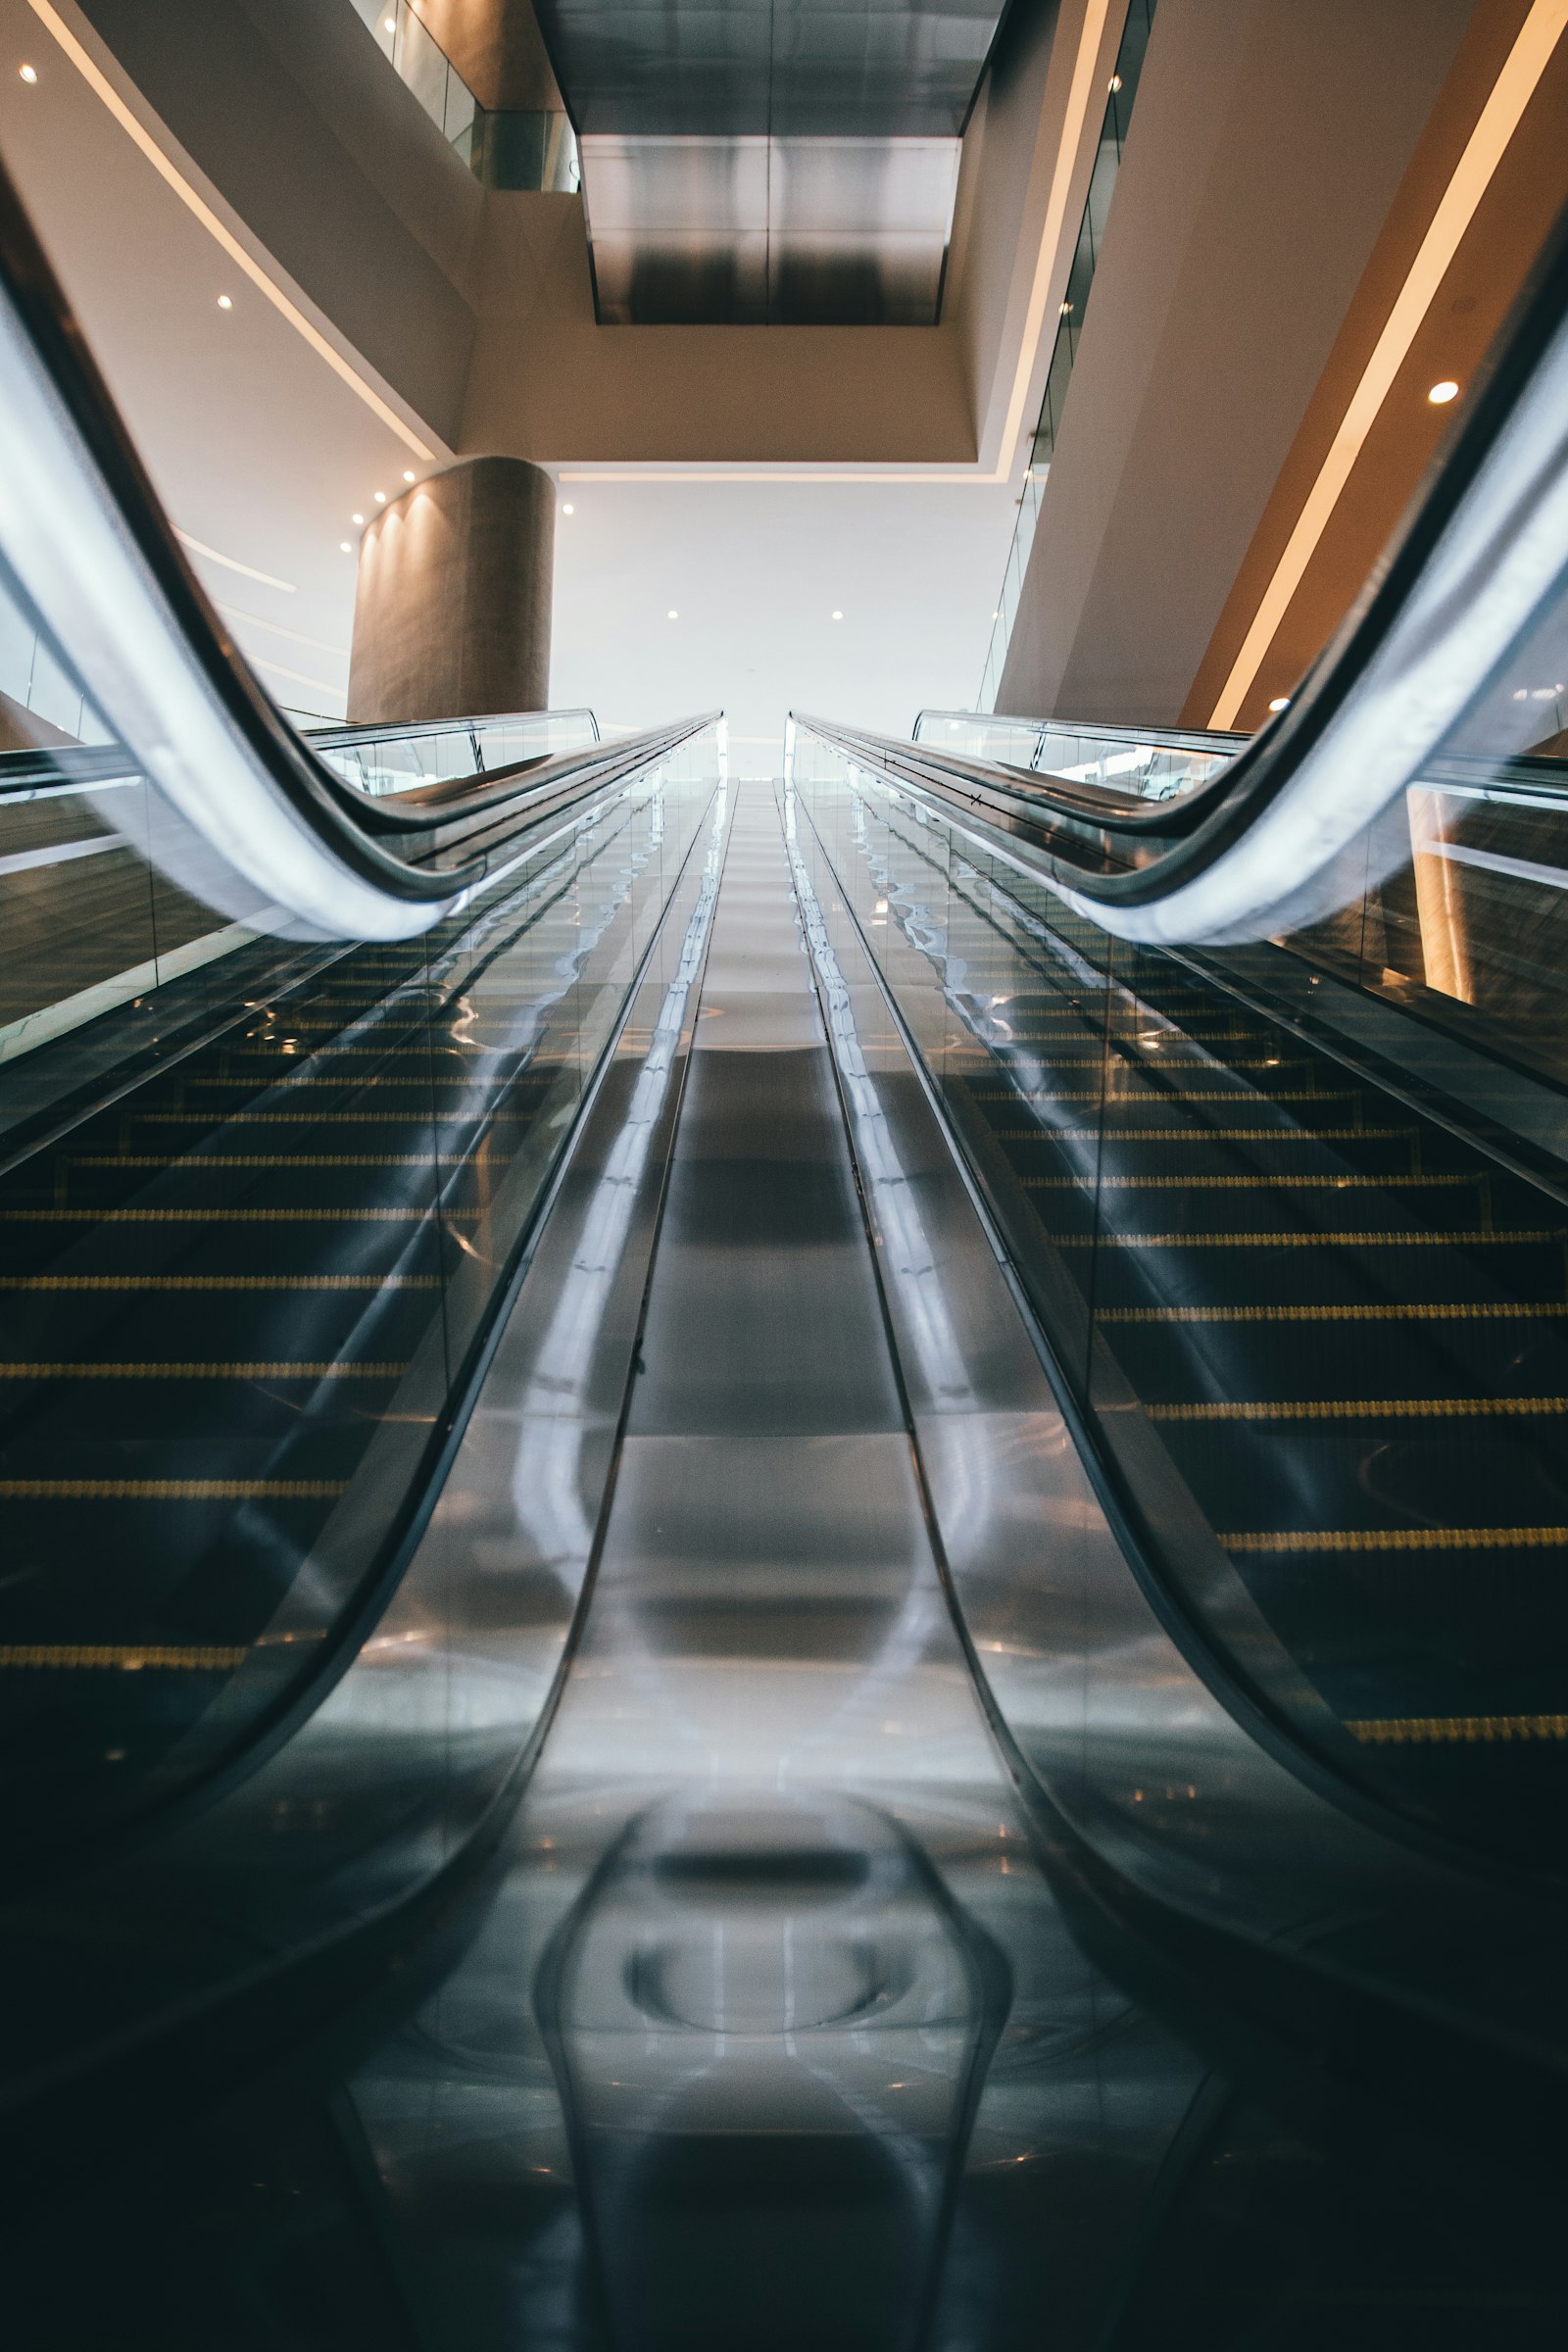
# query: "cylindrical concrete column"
452,613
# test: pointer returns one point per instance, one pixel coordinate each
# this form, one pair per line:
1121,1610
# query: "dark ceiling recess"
766,163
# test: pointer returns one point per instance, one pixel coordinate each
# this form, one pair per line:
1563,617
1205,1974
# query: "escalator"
784,1559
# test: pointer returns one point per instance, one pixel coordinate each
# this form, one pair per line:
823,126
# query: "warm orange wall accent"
1527,191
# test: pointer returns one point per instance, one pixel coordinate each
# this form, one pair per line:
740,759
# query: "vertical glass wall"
506,149
1069,327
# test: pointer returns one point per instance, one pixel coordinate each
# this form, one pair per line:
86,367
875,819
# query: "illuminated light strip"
199,546
317,645
296,677
1418,1730
215,1371
1080,96
102,87
172,1489
129,1657
1401,1538
1499,118
1343,1408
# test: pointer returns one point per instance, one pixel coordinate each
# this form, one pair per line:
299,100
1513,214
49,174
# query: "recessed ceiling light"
225,301
29,73
1281,701
390,24
569,508
1441,394
837,616
408,473
344,544
357,519
672,614
380,498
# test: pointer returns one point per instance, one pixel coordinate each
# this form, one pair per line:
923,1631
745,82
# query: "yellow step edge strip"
1295,1241
281,1370
129,1657
225,1216
221,1281
1343,1408
1397,1538
1301,1094
171,1490
1421,1730
274,1159
1210,1135
1456,1310
1237,1184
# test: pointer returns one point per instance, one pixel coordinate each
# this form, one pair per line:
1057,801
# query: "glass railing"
1299,1255
1156,766
386,760
261,1200
505,148
1069,327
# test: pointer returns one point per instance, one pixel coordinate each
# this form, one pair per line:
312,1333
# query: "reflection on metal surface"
546,1477
769,231
752,166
